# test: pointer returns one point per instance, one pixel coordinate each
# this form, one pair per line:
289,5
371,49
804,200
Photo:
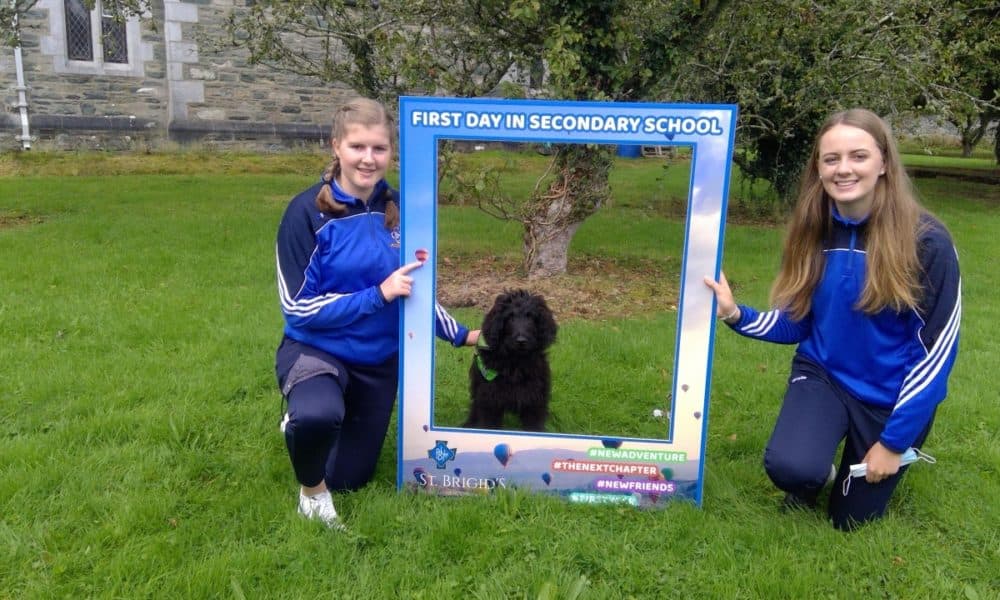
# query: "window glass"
78,40
113,39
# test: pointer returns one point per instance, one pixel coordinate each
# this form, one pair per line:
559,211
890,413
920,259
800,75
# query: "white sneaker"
320,507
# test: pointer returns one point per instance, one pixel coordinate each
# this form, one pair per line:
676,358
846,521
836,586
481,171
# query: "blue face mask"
912,455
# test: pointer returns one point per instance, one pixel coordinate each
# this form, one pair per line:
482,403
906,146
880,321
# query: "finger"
724,284
409,267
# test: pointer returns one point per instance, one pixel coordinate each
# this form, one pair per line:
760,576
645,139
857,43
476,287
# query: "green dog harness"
487,373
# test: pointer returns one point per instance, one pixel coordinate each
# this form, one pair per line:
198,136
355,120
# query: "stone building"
90,82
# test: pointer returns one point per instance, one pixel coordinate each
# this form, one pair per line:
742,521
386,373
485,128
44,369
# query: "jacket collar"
343,197
847,221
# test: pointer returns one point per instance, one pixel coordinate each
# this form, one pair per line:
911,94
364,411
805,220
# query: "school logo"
395,237
441,453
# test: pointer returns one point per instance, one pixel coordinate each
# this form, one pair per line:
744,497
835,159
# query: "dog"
510,371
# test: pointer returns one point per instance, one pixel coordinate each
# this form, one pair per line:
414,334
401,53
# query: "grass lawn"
140,454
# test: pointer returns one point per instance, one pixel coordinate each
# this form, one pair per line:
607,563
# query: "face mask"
912,455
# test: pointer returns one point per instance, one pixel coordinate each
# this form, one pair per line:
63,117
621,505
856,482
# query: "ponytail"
391,211
324,199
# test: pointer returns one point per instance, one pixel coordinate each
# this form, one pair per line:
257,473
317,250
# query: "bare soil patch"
593,289
7,220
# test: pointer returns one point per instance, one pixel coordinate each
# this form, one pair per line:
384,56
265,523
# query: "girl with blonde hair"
339,282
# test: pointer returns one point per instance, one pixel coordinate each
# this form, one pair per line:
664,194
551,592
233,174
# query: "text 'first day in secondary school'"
583,123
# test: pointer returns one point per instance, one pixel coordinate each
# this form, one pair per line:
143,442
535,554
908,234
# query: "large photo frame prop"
579,468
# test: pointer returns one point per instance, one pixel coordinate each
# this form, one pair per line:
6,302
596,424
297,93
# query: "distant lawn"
950,162
930,147
203,162
140,454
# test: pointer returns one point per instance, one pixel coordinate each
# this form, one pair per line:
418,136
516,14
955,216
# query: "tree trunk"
974,130
546,244
996,144
578,190
967,147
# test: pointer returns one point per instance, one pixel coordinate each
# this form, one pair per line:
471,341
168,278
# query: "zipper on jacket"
851,246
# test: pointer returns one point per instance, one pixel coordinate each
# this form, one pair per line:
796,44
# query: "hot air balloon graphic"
502,453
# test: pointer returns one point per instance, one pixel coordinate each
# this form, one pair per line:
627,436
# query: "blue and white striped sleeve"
771,326
925,384
447,328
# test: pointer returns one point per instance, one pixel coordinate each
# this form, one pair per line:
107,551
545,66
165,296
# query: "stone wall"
175,89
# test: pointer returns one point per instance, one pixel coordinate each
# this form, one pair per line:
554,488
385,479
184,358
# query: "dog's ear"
546,320
493,321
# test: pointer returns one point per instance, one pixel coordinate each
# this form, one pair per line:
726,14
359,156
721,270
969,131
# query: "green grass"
943,147
952,162
140,453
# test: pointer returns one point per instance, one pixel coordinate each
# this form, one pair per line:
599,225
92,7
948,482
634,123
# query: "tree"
337,42
595,50
378,49
789,64
969,81
996,144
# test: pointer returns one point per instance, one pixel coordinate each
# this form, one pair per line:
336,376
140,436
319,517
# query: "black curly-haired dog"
510,372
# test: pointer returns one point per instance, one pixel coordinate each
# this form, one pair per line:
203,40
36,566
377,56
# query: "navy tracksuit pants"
338,414
817,414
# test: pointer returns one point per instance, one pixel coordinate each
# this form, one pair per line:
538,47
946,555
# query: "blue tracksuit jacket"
329,270
893,360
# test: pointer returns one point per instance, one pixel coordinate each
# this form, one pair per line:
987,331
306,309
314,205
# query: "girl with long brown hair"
869,289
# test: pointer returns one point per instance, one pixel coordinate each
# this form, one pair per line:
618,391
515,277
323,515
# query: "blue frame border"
640,472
